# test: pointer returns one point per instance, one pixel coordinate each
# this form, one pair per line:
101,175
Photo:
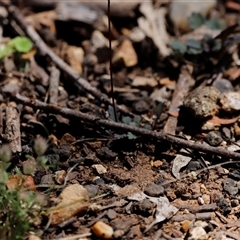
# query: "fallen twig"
79,81
12,132
69,113
184,84
53,85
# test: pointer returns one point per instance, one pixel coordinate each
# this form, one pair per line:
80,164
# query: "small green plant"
19,204
16,45
196,20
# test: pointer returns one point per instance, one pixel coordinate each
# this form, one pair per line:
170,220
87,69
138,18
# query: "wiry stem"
110,62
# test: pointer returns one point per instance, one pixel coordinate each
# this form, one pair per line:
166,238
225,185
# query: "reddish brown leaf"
222,121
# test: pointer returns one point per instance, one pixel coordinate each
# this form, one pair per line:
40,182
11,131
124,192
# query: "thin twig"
69,113
79,81
110,62
74,237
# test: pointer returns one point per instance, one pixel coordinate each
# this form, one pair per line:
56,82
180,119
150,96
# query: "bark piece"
12,131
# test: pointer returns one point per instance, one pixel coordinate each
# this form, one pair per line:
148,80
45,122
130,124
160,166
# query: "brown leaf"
222,121
22,182
73,200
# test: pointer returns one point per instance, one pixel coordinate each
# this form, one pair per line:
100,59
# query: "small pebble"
157,163
64,152
140,107
98,181
154,190
230,101
118,234
144,207
234,202
227,132
197,233
92,189
47,179
223,85
102,230
186,224
224,206
100,169
230,186
214,138
206,198
200,201
193,166
203,188
111,214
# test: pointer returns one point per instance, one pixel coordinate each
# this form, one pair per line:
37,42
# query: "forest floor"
162,162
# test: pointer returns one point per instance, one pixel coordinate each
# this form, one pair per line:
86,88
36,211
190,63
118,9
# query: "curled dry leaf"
73,200
164,210
222,121
180,161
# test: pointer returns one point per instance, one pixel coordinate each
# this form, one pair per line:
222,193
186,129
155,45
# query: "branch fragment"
12,131
69,113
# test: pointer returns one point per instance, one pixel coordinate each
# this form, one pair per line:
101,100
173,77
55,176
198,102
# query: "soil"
138,186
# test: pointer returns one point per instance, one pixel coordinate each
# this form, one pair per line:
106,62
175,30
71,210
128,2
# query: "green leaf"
5,52
126,120
148,126
196,20
193,44
194,47
178,46
131,136
21,44
215,24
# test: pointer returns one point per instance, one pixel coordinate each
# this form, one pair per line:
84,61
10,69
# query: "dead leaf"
67,139
222,121
164,209
73,200
180,161
232,5
22,181
30,54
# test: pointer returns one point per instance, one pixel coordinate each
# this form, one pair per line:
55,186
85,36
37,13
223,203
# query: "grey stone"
154,190
223,85
224,206
230,186
111,214
92,189
140,106
214,138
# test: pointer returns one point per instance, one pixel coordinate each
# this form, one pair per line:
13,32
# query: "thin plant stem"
110,62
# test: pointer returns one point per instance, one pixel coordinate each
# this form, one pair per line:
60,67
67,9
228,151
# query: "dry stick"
46,51
53,85
69,113
12,131
184,84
